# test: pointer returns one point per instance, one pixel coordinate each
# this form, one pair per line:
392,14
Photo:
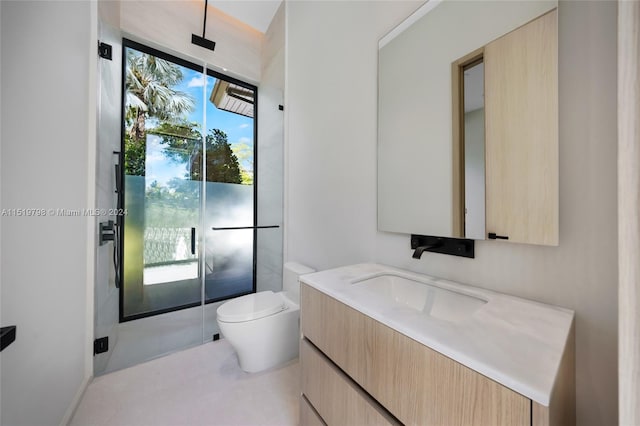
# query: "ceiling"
256,13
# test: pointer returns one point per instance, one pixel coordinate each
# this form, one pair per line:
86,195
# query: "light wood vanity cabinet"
356,370
336,398
521,133
308,415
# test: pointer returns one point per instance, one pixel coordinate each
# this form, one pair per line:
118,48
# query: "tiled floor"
199,386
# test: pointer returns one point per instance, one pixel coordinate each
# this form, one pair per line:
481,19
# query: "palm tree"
149,94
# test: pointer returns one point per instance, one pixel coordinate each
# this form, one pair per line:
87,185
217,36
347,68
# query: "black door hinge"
101,345
104,50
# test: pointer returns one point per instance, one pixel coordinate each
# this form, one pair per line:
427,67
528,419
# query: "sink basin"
399,292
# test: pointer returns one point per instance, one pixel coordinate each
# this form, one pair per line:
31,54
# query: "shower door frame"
205,71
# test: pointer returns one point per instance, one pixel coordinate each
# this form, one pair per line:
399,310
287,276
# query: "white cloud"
244,125
196,81
244,140
155,157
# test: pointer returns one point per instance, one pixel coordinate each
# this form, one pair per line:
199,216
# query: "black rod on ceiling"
202,41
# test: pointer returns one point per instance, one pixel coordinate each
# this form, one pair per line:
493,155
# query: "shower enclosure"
190,234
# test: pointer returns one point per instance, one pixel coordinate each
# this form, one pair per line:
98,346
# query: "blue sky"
239,129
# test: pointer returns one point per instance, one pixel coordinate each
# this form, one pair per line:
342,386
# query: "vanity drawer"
308,416
333,394
416,384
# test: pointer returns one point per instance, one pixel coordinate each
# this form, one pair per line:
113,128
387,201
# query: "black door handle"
193,240
493,236
231,228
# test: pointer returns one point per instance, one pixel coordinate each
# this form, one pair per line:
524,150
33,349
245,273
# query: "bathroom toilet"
263,328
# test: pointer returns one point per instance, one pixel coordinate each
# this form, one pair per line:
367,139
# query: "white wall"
330,122
47,141
331,192
169,25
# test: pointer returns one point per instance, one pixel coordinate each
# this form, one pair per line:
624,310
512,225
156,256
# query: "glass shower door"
162,183
164,209
229,189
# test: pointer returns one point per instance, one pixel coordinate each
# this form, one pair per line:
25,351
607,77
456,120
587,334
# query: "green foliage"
222,164
134,156
173,206
156,192
149,94
244,153
183,144
150,81
181,140
246,177
187,132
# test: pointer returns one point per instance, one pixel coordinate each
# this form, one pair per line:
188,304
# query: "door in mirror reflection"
468,147
474,210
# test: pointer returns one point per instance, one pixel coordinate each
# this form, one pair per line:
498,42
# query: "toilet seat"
251,307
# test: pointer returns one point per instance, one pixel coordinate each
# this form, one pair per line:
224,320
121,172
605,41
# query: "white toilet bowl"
263,327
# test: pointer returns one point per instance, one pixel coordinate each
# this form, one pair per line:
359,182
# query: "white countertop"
516,342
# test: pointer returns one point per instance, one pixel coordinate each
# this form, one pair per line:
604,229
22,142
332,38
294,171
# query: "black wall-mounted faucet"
417,254
443,245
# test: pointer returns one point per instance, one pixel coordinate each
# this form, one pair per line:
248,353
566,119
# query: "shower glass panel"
230,196
189,177
109,123
162,189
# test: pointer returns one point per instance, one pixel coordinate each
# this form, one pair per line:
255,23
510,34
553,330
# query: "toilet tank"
290,279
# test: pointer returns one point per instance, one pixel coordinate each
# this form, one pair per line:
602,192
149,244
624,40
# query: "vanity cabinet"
308,415
521,125
336,398
356,370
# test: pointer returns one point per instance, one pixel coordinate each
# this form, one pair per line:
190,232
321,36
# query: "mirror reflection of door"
474,181
468,147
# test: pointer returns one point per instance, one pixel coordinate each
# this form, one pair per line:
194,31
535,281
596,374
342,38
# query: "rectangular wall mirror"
431,121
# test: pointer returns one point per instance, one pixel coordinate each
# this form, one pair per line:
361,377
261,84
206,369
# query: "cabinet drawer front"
334,396
308,416
414,383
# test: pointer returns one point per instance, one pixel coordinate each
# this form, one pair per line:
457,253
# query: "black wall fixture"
106,232
100,345
444,245
8,336
202,41
105,50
